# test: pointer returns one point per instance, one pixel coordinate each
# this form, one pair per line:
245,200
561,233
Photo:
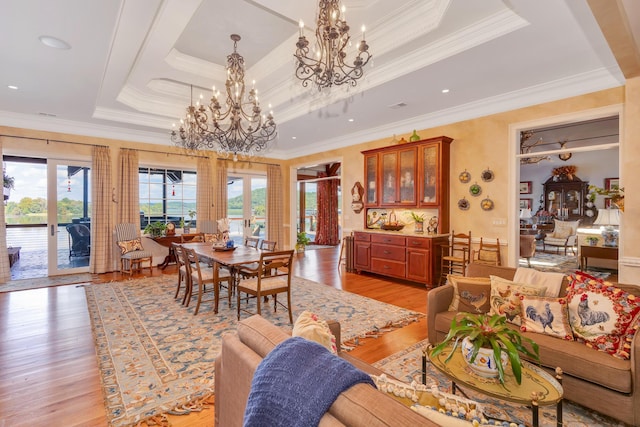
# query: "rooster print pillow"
505,297
545,315
603,316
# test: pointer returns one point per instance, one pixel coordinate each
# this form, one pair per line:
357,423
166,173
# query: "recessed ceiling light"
351,120
294,137
54,42
445,90
13,87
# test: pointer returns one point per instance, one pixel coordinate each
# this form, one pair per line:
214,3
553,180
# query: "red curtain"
327,231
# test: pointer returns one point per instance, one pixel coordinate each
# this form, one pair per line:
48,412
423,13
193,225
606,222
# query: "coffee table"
537,388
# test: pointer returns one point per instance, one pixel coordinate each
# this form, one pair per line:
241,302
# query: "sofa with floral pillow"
586,326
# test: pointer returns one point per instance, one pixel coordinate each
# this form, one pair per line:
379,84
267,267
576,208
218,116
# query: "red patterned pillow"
127,246
603,316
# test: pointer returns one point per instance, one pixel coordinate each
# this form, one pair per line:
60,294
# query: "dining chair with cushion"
204,276
132,254
280,264
183,274
251,242
564,235
487,253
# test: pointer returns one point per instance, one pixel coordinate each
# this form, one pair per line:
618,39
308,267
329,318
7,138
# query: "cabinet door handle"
386,267
386,252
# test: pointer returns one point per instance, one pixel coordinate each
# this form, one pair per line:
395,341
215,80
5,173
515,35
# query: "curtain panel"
5,270
275,205
220,208
101,212
205,192
128,187
327,231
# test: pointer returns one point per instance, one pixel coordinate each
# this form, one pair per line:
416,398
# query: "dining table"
231,258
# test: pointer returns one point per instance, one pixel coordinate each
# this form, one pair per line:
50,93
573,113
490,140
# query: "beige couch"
592,378
360,405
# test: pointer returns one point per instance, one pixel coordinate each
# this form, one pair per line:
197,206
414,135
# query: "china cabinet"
566,198
410,175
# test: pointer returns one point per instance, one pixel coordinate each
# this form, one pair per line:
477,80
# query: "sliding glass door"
246,206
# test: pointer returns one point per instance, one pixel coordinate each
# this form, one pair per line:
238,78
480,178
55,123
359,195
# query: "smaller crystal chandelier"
237,129
326,65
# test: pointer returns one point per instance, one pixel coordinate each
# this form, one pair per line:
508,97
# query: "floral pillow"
470,294
210,237
127,246
505,297
308,325
603,316
544,315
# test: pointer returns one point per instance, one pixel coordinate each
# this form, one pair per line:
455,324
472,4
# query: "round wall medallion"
464,177
475,190
487,175
463,204
486,204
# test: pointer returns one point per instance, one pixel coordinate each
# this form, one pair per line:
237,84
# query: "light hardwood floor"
48,370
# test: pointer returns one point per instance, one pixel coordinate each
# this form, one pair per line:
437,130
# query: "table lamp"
525,215
607,218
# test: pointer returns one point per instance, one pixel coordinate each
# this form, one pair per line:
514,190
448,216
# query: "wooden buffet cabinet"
409,257
410,175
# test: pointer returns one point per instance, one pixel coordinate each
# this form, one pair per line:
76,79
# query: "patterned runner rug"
156,357
407,365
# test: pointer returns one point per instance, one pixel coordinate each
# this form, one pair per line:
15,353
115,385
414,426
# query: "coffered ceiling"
131,64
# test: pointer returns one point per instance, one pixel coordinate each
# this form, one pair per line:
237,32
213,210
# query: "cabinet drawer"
388,240
388,268
417,242
362,237
394,253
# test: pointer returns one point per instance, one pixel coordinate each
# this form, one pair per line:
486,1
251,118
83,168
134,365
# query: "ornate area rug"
407,365
44,282
156,357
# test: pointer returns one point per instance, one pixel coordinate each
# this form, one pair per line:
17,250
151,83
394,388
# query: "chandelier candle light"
238,128
326,65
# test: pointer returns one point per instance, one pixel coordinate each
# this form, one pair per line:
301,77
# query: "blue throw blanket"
297,383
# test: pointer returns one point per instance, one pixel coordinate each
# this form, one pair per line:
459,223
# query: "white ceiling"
128,72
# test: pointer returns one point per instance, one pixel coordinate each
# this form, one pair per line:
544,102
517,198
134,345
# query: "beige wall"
478,144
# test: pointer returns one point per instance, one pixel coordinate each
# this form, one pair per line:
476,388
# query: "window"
167,195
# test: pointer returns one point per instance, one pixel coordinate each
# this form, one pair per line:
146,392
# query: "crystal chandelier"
236,128
326,65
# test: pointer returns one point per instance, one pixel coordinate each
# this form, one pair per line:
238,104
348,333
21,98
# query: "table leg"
424,367
559,405
535,409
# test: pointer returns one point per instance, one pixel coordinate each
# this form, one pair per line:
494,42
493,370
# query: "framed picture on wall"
526,203
610,183
525,187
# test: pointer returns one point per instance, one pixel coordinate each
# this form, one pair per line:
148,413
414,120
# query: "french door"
246,206
68,216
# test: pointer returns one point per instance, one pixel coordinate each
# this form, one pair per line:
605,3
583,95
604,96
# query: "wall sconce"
564,156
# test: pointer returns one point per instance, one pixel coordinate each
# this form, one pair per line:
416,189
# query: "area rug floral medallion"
156,357
407,367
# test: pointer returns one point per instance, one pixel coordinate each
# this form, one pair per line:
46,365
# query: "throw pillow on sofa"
552,281
127,246
544,315
308,325
603,316
470,294
505,297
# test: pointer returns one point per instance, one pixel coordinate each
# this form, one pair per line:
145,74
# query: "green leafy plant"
416,217
155,229
592,239
489,331
8,181
302,239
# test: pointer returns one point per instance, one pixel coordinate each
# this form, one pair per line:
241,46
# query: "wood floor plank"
48,369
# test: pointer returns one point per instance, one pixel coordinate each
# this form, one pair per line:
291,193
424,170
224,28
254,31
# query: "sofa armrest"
438,300
334,326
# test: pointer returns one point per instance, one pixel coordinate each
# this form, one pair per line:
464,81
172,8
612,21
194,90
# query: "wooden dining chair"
252,242
183,274
280,263
455,255
203,277
487,253
268,245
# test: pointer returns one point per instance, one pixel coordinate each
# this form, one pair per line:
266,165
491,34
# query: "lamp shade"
525,214
608,217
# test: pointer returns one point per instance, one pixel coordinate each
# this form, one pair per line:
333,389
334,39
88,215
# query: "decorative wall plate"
486,204
475,190
487,175
463,204
464,177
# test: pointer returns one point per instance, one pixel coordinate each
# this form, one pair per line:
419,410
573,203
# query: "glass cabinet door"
389,178
406,181
371,174
430,164
572,202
